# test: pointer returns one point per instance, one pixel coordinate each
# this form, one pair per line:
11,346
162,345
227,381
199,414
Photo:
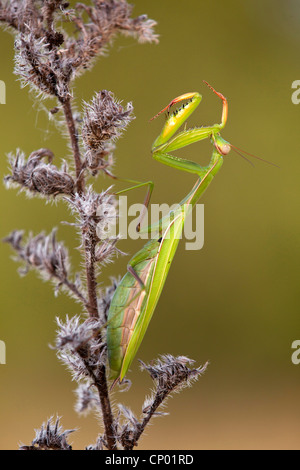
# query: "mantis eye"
223,149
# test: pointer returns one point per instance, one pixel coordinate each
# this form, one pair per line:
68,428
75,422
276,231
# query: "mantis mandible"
136,296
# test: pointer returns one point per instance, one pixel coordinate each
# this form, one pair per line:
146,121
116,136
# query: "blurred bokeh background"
235,302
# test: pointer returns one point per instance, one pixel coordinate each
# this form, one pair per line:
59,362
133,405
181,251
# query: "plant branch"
75,144
89,249
170,374
72,287
100,383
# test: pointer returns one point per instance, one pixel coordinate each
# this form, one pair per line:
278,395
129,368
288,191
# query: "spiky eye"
225,149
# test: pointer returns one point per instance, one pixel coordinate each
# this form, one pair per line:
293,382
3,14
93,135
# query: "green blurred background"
235,302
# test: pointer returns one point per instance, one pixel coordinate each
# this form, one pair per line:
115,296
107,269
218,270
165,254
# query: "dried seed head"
96,214
104,121
142,29
170,374
38,177
101,159
50,436
87,399
100,444
75,334
48,57
36,64
128,429
41,252
49,257
80,348
106,18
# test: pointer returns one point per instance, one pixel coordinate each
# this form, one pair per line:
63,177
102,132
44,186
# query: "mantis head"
222,146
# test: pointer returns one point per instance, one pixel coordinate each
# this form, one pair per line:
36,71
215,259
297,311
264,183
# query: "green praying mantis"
137,294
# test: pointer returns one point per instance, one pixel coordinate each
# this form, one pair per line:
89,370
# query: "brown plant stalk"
48,59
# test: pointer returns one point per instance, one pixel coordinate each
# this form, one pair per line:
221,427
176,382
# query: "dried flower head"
128,429
49,54
36,176
75,334
87,399
106,18
100,444
97,214
93,211
49,257
50,436
36,64
41,252
47,57
103,123
37,16
172,374
80,347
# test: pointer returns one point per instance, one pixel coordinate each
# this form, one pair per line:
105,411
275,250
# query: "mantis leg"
179,116
132,271
150,185
183,164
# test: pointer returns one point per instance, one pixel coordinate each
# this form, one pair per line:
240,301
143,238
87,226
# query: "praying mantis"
137,294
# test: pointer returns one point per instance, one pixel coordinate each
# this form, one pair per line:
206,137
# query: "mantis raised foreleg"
137,294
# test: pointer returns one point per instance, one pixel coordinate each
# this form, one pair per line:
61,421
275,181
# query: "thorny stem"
92,307
41,62
141,427
75,144
108,420
100,381
89,247
101,384
75,291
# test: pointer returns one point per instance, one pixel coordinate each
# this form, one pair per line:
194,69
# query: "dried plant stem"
140,426
75,144
48,59
108,420
92,306
89,249
100,381
107,416
72,287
